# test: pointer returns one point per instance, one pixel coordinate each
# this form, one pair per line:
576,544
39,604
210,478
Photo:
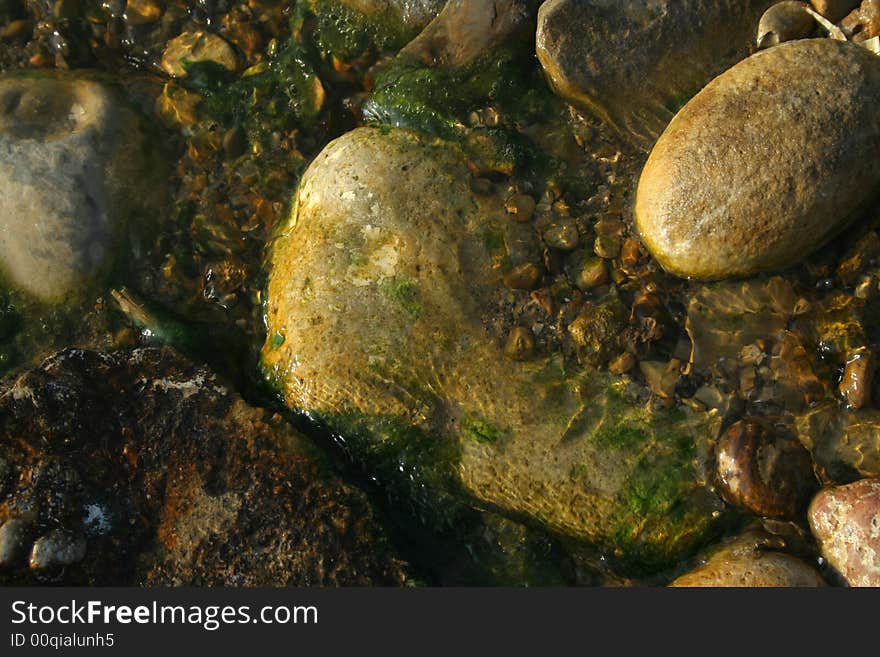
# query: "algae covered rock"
468,77
765,164
142,468
347,29
76,170
379,297
634,63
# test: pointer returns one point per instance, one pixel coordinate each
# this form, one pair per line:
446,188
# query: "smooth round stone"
74,166
846,522
766,164
767,474
746,562
57,548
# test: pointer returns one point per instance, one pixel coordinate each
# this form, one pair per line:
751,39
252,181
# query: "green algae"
405,294
480,430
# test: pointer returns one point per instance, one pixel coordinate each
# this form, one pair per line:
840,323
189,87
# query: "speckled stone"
846,522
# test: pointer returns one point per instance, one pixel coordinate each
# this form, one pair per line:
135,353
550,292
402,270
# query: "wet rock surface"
634,64
769,474
521,389
846,522
375,325
75,169
722,197
142,468
752,560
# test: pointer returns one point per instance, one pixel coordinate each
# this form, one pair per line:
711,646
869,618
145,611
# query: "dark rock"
142,468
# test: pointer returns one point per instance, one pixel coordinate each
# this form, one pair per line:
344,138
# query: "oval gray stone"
57,548
74,163
767,163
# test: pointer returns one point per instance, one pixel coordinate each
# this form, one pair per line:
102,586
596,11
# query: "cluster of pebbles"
621,294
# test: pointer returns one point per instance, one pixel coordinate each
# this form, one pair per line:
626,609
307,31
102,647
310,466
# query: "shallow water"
774,346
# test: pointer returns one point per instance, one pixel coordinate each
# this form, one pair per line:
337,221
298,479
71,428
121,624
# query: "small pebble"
562,235
630,253
57,548
521,206
834,10
607,247
523,277
588,272
520,344
196,47
768,474
622,364
784,21
750,561
858,375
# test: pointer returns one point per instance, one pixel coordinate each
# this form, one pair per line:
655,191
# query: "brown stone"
751,561
633,64
765,164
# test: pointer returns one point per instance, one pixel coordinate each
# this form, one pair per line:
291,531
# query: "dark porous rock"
142,468
766,164
767,473
751,560
633,64
846,522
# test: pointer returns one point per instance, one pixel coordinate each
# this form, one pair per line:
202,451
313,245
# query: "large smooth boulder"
766,164
142,468
77,170
383,286
633,63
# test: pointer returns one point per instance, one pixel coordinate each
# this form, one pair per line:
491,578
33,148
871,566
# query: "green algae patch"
440,101
405,294
480,430
344,33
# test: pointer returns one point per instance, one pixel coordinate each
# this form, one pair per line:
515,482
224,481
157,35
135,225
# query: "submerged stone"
76,168
142,468
633,64
766,164
380,282
751,560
